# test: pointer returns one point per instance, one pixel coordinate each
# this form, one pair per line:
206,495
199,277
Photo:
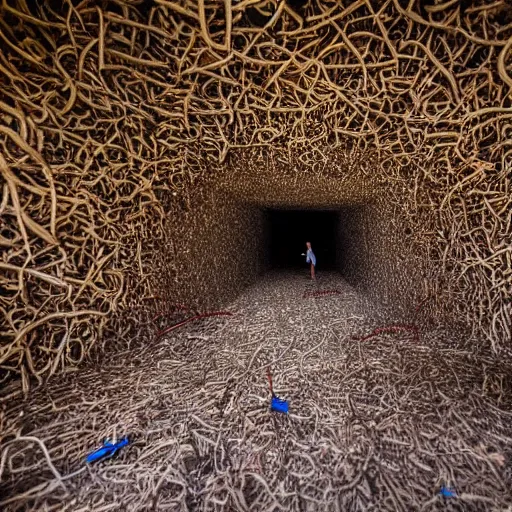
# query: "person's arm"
307,257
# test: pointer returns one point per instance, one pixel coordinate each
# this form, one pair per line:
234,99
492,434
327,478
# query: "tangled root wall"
213,247
112,115
379,254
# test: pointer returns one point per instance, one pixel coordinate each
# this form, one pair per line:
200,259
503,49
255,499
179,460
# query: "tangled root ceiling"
113,113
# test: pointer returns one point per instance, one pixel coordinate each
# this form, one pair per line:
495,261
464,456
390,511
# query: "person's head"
308,245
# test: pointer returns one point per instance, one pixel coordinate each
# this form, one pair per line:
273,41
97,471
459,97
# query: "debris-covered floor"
376,424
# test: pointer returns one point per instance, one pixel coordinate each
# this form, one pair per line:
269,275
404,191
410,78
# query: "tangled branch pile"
375,425
112,112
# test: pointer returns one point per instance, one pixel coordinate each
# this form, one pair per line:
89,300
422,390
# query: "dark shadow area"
289,230
352,248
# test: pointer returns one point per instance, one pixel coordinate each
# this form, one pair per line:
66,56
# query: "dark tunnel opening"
289,230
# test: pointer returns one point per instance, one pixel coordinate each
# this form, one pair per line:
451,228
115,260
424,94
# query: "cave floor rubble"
374,425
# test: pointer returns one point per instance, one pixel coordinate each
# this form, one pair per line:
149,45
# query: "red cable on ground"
391,328
192,318
177,307
320,293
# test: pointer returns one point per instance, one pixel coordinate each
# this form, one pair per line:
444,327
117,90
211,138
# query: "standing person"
310,258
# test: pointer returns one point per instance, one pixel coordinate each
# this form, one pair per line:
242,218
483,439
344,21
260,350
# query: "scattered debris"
107,450
279,405
448,492
375,419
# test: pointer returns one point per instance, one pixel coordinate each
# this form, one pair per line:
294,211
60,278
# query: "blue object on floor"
448,492
279,405
107,450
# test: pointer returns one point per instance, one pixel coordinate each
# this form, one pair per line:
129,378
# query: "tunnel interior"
290,229
162,165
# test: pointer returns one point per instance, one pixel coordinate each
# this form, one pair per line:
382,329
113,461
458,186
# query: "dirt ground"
374,424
